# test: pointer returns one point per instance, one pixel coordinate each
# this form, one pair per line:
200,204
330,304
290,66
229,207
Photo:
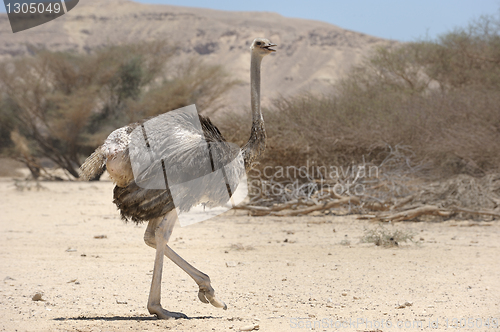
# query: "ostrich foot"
164,314
206,294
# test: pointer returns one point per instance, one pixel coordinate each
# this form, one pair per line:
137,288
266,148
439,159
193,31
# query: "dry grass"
383,237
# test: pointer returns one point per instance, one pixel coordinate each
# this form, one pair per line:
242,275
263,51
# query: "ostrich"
156,206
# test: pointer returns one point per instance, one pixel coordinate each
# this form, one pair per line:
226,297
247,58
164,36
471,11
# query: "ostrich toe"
206,295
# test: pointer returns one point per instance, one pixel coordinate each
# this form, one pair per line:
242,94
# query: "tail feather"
139,204
94,165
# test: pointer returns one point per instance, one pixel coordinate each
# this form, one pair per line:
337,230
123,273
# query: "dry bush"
381,236
189,83
440,99
64,105
417,112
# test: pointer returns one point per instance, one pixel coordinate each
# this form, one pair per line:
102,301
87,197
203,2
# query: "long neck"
257,141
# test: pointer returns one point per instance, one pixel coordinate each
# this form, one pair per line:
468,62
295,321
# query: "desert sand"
93,271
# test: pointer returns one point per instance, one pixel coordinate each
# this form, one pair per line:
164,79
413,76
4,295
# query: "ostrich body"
156,206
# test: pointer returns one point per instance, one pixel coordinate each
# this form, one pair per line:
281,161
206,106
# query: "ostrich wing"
173,158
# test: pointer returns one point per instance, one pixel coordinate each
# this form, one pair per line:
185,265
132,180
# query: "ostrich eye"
258,43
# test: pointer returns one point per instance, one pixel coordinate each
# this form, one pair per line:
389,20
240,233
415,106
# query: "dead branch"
413,213
427,210
483,212
322,207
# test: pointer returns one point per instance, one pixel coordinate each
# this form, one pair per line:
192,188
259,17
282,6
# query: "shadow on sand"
119,318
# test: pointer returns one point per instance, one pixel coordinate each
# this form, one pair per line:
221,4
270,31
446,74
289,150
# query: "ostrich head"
262,46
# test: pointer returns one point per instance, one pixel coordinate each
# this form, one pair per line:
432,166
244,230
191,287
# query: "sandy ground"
284,274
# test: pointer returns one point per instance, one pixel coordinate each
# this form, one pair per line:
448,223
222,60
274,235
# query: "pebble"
231,264
404,305
100,236
344,294
37,297
250,327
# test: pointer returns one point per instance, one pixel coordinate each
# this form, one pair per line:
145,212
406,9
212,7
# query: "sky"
403,20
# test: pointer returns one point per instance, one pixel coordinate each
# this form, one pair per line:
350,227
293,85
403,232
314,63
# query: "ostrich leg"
206,294
162,231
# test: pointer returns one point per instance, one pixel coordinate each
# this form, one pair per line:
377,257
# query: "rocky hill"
311,55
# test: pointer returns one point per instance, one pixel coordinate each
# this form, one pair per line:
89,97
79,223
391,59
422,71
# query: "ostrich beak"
268,47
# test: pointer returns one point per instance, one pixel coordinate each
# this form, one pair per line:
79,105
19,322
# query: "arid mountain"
311,55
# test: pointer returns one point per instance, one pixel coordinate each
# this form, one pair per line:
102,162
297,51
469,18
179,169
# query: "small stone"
37,297
250,327
290,264
408,304
100,236
344,294
231,264
70,250
121,302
